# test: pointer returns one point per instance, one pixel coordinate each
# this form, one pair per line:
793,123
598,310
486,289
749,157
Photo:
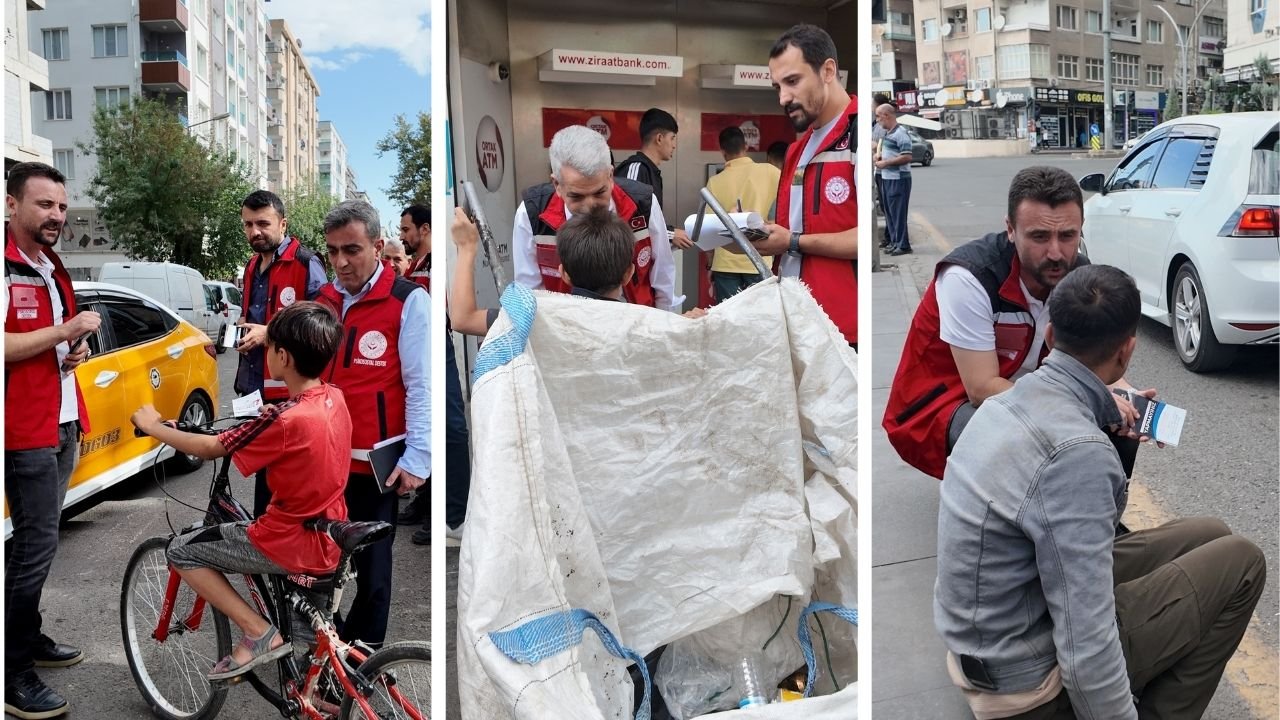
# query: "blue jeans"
728,284
35,482
897,198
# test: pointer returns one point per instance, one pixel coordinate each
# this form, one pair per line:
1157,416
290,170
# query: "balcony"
163,15
165,72
898,31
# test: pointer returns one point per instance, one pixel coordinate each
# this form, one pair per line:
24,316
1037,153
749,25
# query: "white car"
226,299
1191,212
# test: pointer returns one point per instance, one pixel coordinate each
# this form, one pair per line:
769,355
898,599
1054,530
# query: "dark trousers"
35,484
1184,594
367,619
457,479
897,198
728,284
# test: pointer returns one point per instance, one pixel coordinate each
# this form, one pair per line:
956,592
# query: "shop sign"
616,63
1053,95
907,100
761,131
1087,97
1011,96
1146,100
620,128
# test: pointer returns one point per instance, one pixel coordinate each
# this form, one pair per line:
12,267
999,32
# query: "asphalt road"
1227,465
82,597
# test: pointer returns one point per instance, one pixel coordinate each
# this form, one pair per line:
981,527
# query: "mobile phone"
975,671
72,348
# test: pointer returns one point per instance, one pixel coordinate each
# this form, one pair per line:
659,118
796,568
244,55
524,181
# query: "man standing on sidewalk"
1045,612
45,339
816,235
280,273
893,162
385,374
415,235
745,186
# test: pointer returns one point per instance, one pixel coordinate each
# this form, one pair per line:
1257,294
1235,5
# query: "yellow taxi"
142,353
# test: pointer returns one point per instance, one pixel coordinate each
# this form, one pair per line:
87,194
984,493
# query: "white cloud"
332,26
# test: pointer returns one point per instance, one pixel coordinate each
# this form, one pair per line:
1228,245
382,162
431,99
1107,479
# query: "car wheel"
195,411
928,160
1189,316
217,344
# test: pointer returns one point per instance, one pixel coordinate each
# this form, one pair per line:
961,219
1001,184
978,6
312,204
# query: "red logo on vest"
639,222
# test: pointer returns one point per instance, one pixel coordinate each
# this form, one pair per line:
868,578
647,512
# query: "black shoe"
48,653
422,537
900,251
884,243
27,697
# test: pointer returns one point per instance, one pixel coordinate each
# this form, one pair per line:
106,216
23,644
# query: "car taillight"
211,351
1253,221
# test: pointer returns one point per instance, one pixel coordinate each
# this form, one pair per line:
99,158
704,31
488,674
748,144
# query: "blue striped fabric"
521,306
539,639
806,643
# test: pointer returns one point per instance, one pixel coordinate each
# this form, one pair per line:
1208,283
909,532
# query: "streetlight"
215,118
1182,45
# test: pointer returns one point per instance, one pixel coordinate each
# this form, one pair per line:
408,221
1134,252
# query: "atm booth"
520,70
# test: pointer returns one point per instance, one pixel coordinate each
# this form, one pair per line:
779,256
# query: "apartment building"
332,160
201,58
893,49
292,91
25,72
1253,29
992,68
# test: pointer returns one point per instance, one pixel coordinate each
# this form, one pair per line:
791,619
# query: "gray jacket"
1029,506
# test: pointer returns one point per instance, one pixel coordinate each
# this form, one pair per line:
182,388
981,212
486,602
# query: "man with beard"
44,340
280,273
816,238
415,235
981,322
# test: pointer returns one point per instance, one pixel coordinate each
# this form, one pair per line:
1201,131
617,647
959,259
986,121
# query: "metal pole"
1182,49
709,200
486,235
1106,74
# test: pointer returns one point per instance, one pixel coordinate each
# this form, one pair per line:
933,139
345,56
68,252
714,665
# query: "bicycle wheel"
170,674
401,677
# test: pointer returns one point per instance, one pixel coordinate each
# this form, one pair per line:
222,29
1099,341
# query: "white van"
177,287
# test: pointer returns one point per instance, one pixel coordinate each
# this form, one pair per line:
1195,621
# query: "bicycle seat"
351,536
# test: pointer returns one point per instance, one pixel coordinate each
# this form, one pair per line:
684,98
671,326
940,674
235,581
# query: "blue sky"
371,64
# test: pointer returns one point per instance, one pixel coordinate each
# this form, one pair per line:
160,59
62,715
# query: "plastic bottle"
753,691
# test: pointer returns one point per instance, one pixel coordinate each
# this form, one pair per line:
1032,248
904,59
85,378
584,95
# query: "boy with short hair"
595,254
305,443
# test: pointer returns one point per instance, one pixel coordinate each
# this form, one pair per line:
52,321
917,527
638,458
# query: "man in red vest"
415,233
384,370
280,273
816,238
44,340
581,180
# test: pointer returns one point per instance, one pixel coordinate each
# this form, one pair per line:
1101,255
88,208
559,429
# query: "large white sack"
649,469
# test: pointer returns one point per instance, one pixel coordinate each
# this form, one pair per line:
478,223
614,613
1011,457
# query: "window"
1040,61
57,105
111,97
929,29
982,19
1155,75
1093,69
1177,162
65,161
984,67
1135,172
110,40
1214,27
1184,32
1067,18
1092,21
135,322
1015,61
1155,31
1069,67
202,62
56,46
1124,69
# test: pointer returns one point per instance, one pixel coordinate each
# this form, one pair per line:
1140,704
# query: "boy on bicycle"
305,444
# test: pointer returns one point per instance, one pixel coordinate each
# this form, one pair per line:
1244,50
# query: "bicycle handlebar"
201,429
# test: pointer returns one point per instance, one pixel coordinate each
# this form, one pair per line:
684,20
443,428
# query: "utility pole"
1106,74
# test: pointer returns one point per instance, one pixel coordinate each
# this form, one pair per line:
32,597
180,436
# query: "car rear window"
135,322
1264,168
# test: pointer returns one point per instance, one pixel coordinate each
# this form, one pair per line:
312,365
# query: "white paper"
247,406
231,336
712,229
1168,424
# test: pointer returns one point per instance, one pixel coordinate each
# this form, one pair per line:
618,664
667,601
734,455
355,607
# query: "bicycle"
172,638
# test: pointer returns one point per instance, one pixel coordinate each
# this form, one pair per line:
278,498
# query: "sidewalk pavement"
909,677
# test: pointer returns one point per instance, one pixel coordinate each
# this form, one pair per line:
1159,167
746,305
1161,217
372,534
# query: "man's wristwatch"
794,247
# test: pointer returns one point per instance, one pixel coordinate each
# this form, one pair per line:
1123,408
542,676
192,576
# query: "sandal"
260,650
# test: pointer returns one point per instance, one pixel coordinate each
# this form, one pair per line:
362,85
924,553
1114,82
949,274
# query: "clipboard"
383,457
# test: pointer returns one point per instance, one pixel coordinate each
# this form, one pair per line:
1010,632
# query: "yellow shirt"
756,185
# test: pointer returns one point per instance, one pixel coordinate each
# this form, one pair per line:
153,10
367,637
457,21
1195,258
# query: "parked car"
226,299
176,287
1193,214
921,149
142,353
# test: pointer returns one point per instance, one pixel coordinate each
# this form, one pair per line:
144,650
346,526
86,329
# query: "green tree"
306,205
411,144
162,194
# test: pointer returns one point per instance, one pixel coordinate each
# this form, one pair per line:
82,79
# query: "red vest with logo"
367,366
927,388
286,284
420,272
632,201
830,206
33,387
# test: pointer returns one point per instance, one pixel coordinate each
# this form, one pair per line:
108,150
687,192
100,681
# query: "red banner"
761,130
621,128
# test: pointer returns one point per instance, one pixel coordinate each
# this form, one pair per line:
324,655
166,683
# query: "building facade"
893,49
292,91
332,160
1253,30
999,69
26,72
